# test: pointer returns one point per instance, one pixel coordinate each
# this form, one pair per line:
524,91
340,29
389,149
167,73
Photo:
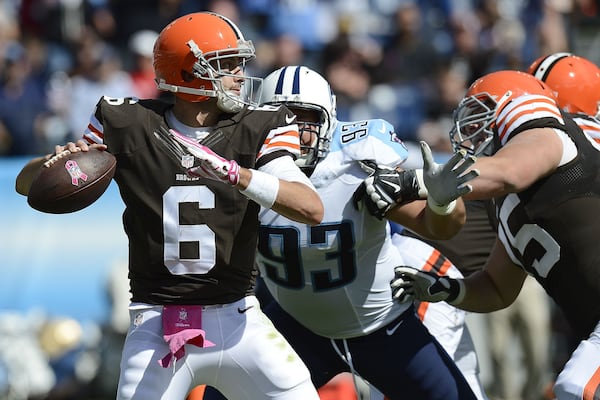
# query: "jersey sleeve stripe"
592,387
589,127
438,263
422,309
94,133
525,109
282,138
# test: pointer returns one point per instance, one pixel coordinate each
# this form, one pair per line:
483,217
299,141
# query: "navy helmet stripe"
296,84
279,87
295,81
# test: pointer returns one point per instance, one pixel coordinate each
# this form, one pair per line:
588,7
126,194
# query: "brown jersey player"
191,217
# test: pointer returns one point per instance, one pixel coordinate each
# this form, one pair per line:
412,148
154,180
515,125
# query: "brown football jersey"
191,240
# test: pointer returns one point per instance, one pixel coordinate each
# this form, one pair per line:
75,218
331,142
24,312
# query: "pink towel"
182,325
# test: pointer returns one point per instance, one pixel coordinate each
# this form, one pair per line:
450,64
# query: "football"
69,182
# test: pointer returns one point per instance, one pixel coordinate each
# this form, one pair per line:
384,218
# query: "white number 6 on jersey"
175,233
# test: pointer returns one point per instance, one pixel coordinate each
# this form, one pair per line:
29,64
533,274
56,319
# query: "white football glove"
211,165
447,182
411,283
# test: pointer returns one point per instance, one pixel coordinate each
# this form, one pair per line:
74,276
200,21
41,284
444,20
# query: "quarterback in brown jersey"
193,176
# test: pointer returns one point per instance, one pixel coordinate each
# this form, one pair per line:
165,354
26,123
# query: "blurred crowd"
406,61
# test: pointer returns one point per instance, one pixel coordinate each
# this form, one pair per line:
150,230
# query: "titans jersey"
550,228
191,241
334,278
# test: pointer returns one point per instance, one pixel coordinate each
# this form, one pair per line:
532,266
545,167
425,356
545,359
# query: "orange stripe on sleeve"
527,110
592,388
287,139
433,259
422,309
282,141
438,263
590,127
96,131
445,267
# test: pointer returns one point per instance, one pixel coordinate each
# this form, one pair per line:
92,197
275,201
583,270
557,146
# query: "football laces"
52,160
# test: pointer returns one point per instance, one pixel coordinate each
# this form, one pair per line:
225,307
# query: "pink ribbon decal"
76,173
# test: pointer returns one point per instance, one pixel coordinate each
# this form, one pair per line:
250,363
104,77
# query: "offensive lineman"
544,173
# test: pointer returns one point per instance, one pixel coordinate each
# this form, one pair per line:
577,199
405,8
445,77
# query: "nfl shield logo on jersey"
187,161
183,315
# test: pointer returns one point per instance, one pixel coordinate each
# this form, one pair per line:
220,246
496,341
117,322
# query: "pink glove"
212,165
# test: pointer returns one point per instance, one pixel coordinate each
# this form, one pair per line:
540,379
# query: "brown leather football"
69,182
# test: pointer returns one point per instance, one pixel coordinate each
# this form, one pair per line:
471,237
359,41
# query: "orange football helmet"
195,51
576,81
476,114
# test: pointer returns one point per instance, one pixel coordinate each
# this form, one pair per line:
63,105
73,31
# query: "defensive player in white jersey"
331,281
544,173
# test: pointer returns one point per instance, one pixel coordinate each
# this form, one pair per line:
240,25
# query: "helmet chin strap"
228,102
162,85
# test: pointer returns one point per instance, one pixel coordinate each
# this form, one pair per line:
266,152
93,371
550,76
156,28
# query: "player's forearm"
419,218
442,227
481,295
298,202
495,180
494,287
293,200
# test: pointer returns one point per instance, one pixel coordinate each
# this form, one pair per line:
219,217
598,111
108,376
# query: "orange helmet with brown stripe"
576,81
195,51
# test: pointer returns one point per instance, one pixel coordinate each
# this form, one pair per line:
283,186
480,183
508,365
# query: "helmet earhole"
187,76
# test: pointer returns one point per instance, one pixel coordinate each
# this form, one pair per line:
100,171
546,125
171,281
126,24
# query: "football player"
330,281
193,175
576,85
544,173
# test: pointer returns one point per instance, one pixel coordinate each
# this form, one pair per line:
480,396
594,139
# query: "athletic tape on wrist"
263,188
441,209
422,188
